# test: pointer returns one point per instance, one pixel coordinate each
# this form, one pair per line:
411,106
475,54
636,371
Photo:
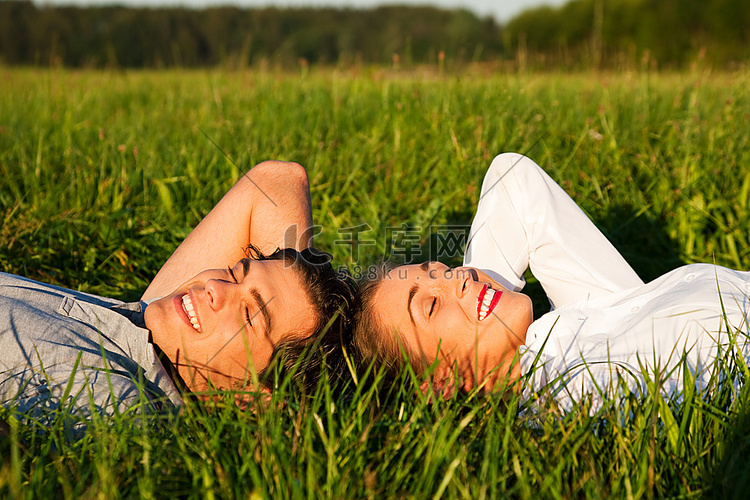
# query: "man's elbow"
281,169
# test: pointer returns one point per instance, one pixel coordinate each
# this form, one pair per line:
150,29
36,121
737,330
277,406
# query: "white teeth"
488,297
484,307
188,305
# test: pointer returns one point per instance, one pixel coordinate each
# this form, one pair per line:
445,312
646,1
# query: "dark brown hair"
333,296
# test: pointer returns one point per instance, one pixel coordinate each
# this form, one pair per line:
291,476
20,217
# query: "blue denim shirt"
65,349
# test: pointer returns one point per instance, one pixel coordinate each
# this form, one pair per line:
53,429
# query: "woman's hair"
375,343
334,300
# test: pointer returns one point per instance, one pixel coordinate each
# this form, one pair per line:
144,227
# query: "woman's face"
460,317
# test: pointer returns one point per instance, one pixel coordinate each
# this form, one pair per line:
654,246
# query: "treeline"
581,34
145,37
617,33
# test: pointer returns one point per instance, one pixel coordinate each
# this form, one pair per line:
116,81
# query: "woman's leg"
524,219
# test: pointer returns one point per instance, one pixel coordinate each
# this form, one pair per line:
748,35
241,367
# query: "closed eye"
432,307
247,311
231,273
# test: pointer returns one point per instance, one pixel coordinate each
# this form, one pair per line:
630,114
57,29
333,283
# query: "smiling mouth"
187,305
487,300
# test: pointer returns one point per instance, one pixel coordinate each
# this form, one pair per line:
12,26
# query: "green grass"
103,173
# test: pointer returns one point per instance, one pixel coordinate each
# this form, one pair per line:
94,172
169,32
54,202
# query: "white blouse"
606,326
649,333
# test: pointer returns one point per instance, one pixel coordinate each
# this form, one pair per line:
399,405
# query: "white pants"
524,219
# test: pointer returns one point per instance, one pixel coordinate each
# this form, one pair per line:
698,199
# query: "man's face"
224,323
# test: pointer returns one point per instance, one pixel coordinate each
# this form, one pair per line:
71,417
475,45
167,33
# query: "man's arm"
268,207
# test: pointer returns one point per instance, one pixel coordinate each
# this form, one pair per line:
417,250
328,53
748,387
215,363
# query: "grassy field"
102,174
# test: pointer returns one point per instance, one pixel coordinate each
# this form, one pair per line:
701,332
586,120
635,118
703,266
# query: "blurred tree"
580,33
16,45
674,32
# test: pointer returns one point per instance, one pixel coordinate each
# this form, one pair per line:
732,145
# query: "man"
212,329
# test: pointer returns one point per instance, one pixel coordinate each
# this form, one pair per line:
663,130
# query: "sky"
501,10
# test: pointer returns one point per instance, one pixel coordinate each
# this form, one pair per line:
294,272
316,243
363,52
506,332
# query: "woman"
606,327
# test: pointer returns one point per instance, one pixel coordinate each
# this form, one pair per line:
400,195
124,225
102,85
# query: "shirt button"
635,309
690,277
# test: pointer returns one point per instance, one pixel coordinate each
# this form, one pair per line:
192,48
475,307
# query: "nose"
463,276
437,270
218,293
449,279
